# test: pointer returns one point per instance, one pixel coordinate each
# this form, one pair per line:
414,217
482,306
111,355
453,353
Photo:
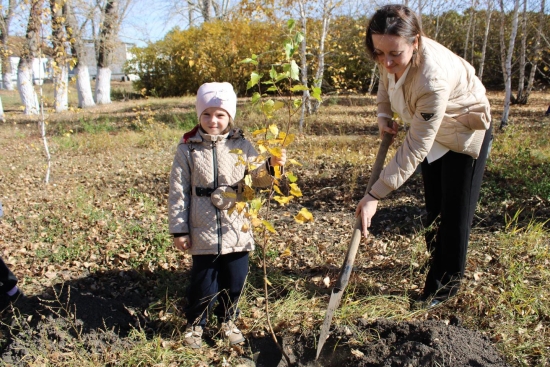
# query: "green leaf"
278,105
254,79
298,87
297,103
290,24
316,93
248,60
272,89
256,97
289,49
298,38
273,73
291,177
294,70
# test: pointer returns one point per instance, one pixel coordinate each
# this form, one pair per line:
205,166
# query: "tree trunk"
373,77
26,89
103,86
523,51
5,21
83,86
536,54
328,7
468,30
105,50
2,111
506,57
60,67
306,103
29,52
485,38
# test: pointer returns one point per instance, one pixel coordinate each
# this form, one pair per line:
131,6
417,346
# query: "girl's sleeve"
430,110
179,197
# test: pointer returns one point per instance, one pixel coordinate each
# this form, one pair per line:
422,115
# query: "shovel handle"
345,273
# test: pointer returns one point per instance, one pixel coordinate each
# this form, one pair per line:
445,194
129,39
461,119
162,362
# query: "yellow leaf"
277,170
267,281
295,190
229,195
191,63
274,130
258,132
276,151
256,222
283,199
240,205
248,193
288,140
245,228
236,151
293,161
277,190
248,180
286,253
303,216
269,226
262,148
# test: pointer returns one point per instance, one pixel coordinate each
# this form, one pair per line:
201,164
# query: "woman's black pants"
7,279
451,185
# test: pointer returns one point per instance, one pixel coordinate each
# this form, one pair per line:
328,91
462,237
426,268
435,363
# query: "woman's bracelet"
372,196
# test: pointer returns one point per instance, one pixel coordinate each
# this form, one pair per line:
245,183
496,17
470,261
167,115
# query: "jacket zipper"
218,218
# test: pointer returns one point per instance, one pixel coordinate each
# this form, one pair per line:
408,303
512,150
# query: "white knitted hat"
217,95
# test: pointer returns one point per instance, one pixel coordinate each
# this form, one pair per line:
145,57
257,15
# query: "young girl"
204,172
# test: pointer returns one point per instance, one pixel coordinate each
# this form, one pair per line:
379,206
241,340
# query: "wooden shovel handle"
345,273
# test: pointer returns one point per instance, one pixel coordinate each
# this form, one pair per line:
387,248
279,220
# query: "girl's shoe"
193,336
230,331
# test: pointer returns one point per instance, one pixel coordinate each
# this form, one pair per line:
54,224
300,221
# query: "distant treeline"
185,59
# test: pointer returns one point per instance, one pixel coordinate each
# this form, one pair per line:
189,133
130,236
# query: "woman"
437,94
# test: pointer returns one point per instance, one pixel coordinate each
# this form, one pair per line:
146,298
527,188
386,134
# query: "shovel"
347,267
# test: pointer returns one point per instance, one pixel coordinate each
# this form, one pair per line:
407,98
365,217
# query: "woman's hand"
366,209
182,243
385,125
278,161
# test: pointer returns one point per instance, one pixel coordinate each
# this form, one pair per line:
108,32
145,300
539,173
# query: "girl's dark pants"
7,279
220,277
451,184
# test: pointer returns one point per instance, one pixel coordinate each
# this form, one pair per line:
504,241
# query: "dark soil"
66,316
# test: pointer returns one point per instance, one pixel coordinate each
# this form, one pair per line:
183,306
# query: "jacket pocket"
478,117
454,135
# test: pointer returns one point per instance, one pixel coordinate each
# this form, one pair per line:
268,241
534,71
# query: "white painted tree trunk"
103,86
61,84
536,53
328,7
1,111
83,87
7,83
25,85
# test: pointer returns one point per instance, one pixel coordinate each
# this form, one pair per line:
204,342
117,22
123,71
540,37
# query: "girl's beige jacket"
205,162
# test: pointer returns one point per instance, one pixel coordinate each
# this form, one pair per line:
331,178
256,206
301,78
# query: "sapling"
284,88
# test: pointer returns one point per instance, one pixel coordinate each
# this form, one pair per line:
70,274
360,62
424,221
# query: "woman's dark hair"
395,20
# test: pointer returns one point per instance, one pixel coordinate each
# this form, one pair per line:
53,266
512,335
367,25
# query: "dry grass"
106,209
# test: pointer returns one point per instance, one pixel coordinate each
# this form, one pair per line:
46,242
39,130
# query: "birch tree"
104,52
112,14
536,58
506,57
488,14
522,52
30,51
60,60
75,33
5,22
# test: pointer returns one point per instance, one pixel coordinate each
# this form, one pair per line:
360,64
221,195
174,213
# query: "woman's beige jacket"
448,104
204,161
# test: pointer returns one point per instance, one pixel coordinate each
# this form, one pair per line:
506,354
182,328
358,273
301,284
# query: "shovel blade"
333,304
